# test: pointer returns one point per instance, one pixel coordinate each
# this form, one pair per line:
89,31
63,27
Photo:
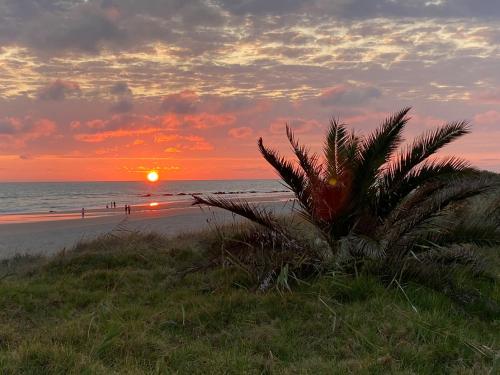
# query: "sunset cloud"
16,132
345,95
120,133
243,132
489,119
120,89
11,126
59,90
209,120
183,143
122,106
298,125
181,103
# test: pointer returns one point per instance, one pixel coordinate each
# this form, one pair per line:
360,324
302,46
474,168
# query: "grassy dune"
127,305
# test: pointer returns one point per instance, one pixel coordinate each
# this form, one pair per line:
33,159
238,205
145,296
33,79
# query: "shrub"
377,203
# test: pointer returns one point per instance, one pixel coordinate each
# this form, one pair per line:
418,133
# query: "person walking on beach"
83,212
128,208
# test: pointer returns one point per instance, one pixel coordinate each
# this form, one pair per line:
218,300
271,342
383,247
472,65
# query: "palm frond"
308,163
376,150
437,193
295,179
480,232
423,147
341,149
477,222
359,246
391,195
430,170
453,256
454,191
413,223
243,208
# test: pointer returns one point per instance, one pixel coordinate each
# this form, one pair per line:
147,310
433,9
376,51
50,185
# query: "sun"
153,176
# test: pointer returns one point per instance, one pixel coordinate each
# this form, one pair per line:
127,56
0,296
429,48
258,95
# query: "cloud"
120,133
240,133
131,121
209,120
365,8
122,106
59,90
123,96
183,143
259,7
172,150
72,26
89,26
409,8
197,26
162,128
489,97
349,96
12,126
120,89
285,55
130,124
298,125
181,103
488,119
15,132
120,126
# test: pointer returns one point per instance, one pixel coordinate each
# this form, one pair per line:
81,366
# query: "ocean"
46,197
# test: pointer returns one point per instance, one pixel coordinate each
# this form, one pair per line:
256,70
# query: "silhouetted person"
128,208
83,213
114,204
107,207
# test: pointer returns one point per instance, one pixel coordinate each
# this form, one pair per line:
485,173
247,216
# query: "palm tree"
371,197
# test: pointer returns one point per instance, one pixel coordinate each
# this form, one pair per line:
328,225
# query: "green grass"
125,306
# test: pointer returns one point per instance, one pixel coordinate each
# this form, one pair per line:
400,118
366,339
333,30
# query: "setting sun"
153,176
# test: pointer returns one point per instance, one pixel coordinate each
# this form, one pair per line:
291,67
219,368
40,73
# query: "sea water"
45,197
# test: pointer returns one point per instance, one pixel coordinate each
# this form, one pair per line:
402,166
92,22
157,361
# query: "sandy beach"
49,233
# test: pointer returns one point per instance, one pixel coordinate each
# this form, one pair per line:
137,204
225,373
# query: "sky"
110,89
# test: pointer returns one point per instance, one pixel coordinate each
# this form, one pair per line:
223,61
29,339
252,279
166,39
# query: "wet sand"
49,233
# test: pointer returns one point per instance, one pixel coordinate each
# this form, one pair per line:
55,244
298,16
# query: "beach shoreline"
92,213
61,198
49,233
